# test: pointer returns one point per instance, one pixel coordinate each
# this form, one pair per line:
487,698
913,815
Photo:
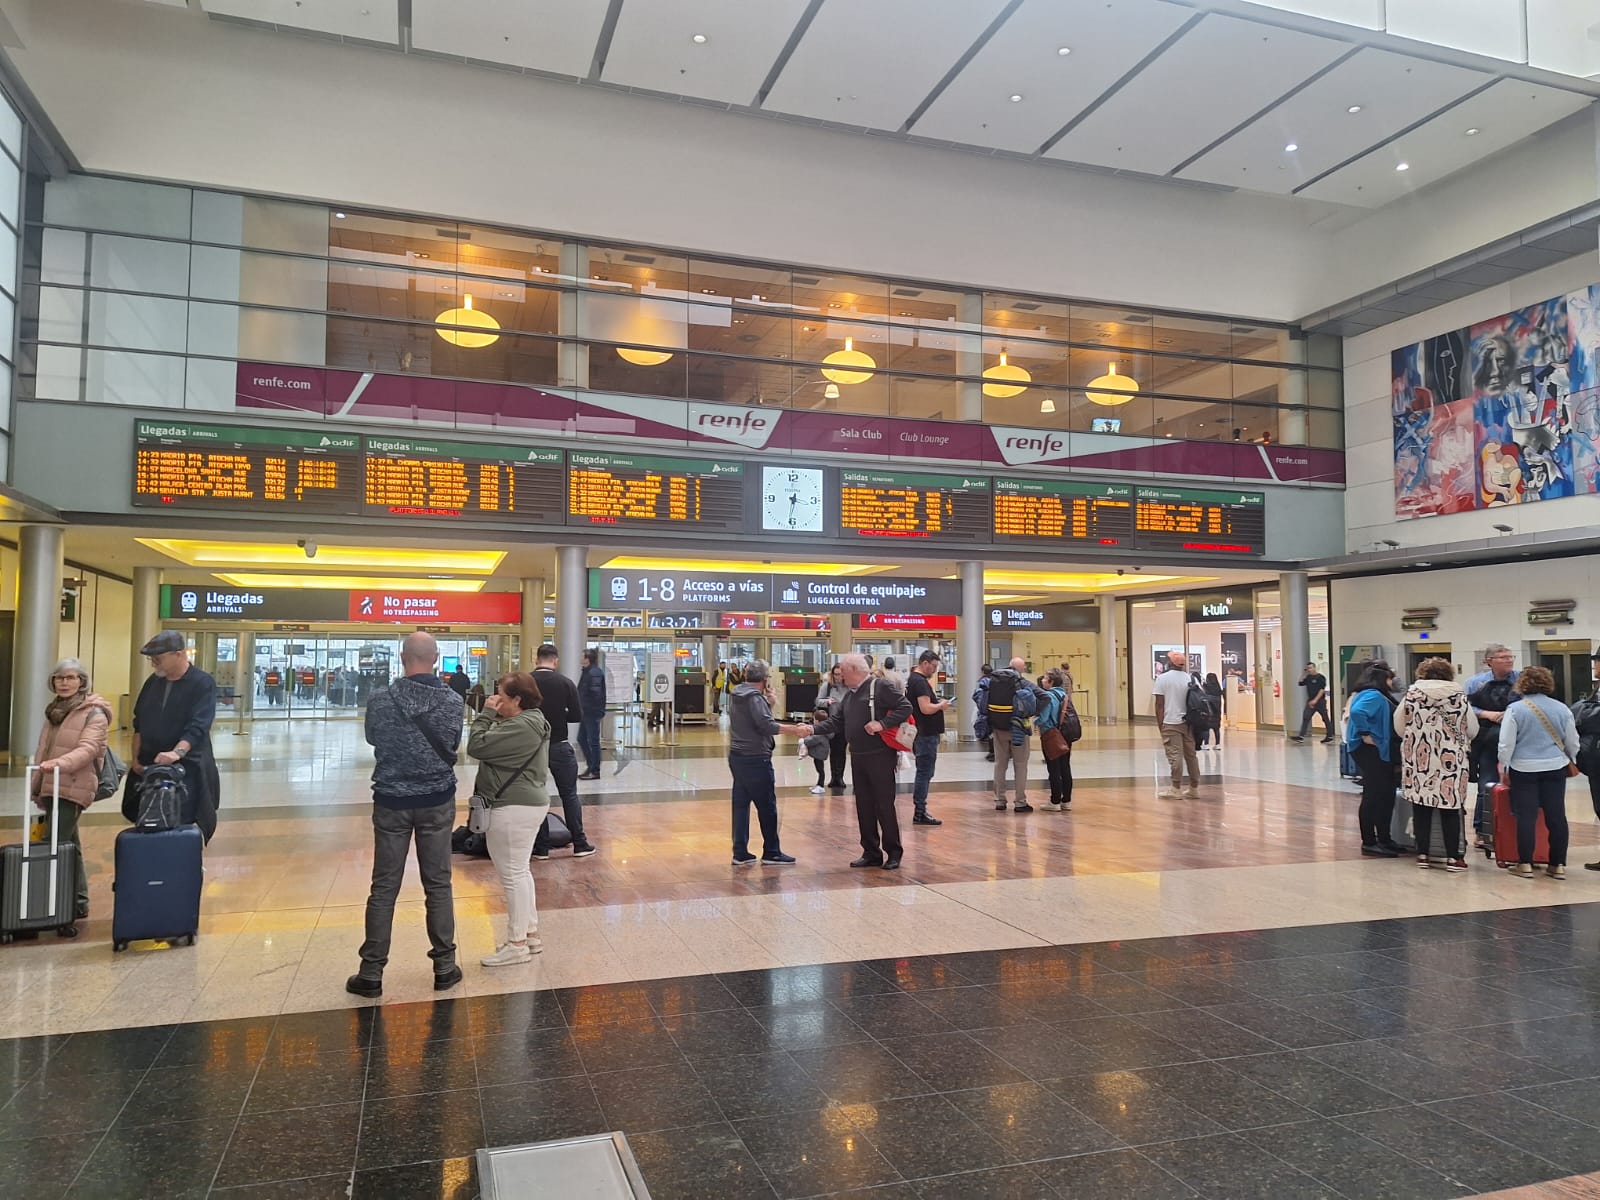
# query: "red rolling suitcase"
37,882
1505,831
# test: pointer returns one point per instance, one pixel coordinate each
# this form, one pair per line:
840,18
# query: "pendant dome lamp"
482,327
1111,389
1009,380
642,358
849,365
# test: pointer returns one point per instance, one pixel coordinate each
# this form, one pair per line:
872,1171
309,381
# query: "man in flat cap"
172,724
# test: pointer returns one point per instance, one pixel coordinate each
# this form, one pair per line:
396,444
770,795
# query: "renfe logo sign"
747,427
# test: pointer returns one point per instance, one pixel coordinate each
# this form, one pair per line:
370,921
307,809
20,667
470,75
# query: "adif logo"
1028,445
325,442
189,602
744,427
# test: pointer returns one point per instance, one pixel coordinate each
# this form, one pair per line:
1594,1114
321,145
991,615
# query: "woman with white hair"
76,724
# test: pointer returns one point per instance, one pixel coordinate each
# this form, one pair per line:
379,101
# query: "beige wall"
1077,650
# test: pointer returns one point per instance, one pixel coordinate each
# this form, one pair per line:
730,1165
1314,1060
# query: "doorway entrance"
313,675
1417,655
1569,663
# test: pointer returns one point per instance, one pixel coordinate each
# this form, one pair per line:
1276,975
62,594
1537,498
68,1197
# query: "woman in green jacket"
511,740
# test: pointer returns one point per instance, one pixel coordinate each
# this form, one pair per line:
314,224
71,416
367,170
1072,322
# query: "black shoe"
988,758
1295,737
443,981
864,861
582,850
777,860
360,985
590,775
999,806
541,855
82,914
892,865
1024,808
744,860
1327,741
1379,852
925,819
1594,866
836,786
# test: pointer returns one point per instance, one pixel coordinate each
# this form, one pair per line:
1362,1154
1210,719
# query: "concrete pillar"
708,654
969,637
146,624
969,356
1108,698
572,358
38,632
533,594
494,663
1293,422
840,634
1294,599
572,606
244,673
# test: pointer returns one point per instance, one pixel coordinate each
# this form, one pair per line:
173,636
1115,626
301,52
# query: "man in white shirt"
1172,706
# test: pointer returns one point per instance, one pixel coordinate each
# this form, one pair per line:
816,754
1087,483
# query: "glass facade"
147,294
12,177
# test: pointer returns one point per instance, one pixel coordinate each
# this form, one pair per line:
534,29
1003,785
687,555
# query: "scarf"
61,707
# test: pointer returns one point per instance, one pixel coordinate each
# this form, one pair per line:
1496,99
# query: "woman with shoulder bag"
1054,687
510,739
76,724
1436,725
1538,743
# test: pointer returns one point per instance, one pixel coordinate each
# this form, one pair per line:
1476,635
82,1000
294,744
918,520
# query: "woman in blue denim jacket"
1369,733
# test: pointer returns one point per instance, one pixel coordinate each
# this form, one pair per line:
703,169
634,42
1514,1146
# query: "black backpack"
163,799
1199,710
1010,696
1495,696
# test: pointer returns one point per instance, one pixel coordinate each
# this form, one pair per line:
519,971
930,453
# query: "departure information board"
1204,522
409,477
637,490
182,465
1047,510
945,508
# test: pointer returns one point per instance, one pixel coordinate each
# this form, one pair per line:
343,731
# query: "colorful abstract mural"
1504,412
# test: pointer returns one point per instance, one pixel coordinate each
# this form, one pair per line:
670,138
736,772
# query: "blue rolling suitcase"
157,886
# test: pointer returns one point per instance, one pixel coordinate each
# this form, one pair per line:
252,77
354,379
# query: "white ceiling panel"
370,20
1218,74
1503,115
1493,27
1394,91
653,46
1367,13
871,64
1106,41
558,36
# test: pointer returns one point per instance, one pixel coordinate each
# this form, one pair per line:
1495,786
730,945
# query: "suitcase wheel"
67,931
6,939
119,947
189,941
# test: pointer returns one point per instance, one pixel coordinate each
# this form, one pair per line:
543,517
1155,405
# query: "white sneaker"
1169,794
535,946
818,790
508,955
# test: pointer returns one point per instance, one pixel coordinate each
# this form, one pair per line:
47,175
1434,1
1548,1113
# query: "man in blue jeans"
751,727
1490,692
928,712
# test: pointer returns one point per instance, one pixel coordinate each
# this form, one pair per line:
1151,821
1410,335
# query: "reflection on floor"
1431,1057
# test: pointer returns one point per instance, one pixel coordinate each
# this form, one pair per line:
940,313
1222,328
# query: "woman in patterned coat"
1436,727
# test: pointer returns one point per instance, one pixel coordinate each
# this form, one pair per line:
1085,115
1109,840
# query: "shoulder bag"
439,748
904,735
1572,767
1052,741
479,807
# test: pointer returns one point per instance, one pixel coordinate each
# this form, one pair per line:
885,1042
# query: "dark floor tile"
1229,1168
1029,1121
426,1021
1131,1108
1048,1002
416,1069
183,1094
780,987
1385,1065
19,1059
861,1073
718,1034
1116,1173
1353,1165
1465,1155
42,1167
1325,1090
758,1085
891,1015
452,1179
1569,1144
917,973
1484,1067
979,966
846,980
1038,1055
1359,1019
105,1050
927,1135
323,1187
1122,1044
697,1163
300,1143
883,1191
1556,1044
133,1163
973,1007
1566,991
1198,987
413,1129
1128,995
605,1004
513,1013
654,1098
1288,1028
810,1153
625,1045
999,1183
531,1054
1577,1100
1130,957
807,1026
1207,1035
323,1032
289,1080
1282,978
540,1110
67,1103
1227,1098
948,1061
223,1044
688,994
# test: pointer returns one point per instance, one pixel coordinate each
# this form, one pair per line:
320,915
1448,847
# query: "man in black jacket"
592,699
870,706
560,705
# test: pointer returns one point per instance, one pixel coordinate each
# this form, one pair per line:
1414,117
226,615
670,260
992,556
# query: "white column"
533,593
146,624
38,632
244,674
572,358
841,635
572,606
1294,599
969,637
969,356
494,663
1109,697
1293,421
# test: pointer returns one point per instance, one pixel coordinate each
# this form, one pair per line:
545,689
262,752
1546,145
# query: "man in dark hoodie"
414,726
751,726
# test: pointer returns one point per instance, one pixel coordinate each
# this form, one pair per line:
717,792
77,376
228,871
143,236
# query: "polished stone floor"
1425,1057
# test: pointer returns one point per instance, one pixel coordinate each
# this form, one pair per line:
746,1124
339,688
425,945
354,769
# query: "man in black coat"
172,719
868,707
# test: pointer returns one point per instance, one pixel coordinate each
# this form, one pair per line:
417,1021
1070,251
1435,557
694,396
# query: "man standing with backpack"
1008,702
1172,696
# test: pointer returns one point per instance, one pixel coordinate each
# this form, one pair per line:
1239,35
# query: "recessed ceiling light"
834,304
340,215
699,39
1063,51
1016,97
1402,166
1291,147
1354,108
1472,132
709,291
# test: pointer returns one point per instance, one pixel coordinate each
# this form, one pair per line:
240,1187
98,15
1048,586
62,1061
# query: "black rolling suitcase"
37,882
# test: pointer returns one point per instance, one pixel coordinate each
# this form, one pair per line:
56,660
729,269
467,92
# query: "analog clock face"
791,499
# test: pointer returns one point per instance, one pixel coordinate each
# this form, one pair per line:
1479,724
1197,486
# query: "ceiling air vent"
1027,306
647,260
1138,318
905,291
454,235
807,280
1241,329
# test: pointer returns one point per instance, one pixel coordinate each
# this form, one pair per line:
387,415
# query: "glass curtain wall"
150,294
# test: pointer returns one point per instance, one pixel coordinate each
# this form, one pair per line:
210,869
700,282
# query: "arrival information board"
1045,510
638,490
946,508
407,477
1188,521
182,465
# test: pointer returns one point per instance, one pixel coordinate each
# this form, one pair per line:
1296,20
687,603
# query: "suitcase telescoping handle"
55,834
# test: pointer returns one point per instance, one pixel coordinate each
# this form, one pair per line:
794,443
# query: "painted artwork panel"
1435,467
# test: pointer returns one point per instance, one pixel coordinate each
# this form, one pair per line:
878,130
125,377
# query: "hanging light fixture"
481,325
643,358
1014,379
831,392
1047,405
1111,389
849,365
